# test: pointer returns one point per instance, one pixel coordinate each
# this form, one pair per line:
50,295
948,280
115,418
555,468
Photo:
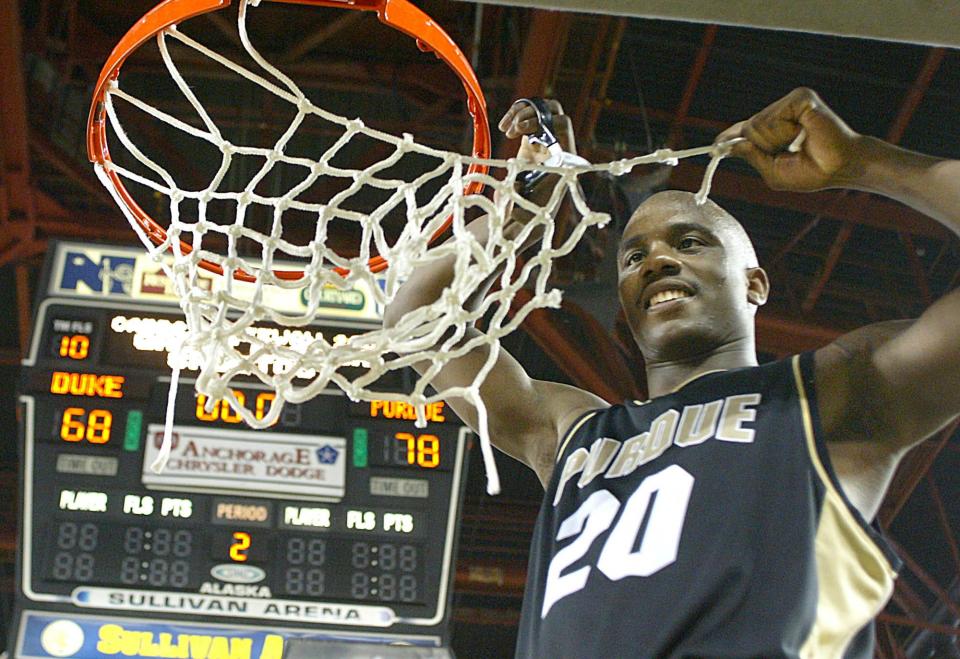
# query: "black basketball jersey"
704,523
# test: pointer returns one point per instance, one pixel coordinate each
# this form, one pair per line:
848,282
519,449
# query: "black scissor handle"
544,137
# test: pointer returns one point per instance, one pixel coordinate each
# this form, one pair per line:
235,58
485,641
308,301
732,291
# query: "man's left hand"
825,156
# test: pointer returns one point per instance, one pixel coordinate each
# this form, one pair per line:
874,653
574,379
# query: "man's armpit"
849,396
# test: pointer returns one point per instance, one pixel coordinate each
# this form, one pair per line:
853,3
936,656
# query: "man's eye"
690,242
634,257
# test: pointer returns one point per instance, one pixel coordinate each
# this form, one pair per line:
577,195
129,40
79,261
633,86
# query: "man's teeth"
666,296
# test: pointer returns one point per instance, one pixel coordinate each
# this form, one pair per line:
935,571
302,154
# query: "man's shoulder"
859,342
567,405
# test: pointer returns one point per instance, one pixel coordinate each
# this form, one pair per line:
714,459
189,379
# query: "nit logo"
106,275
327,455
330,297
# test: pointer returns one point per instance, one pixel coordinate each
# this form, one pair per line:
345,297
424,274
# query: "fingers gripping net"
227,335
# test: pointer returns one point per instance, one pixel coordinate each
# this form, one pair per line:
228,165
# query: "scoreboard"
337,522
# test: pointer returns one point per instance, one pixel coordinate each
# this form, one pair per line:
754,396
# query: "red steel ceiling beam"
912,469
945,525
606,352
4,200
783,336
675,138
69,167
25,247
10,357
915,94
575,360
23,207
833,257
905,597
896,652
667,116
907,108
939,591
880,648
948,630
584,99
318,36
14,151
794,240
616,39
912,101
541,52
49,208
875,212
431,76
8,509
90,226
227,27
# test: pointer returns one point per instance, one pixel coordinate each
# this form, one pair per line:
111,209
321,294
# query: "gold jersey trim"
573,431
854,577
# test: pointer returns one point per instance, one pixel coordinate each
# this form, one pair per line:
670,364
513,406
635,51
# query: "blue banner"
46,635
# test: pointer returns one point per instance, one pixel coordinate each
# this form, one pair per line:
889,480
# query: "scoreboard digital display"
341,515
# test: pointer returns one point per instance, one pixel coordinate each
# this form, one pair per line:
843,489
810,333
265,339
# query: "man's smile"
666,296
665,292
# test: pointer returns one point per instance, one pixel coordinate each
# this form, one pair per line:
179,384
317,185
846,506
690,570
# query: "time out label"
418,488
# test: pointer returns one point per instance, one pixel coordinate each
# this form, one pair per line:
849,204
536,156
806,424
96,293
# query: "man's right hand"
521,120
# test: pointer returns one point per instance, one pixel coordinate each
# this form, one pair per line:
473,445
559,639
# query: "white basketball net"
222,340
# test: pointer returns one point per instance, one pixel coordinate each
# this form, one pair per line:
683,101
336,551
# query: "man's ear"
758,286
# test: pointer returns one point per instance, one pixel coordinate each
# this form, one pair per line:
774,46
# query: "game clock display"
341,514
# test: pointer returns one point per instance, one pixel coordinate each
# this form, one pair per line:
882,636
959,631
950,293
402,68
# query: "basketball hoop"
398,14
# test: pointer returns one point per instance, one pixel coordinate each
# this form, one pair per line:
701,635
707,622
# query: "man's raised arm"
884,387
525,416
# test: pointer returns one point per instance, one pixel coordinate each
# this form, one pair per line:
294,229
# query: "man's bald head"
670,202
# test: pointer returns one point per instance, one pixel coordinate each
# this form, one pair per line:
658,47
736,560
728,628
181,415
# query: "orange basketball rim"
398,14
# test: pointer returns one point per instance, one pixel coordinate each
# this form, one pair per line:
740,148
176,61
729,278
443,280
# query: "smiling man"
688,312
727,515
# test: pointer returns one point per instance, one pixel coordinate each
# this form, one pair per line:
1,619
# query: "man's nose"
660,261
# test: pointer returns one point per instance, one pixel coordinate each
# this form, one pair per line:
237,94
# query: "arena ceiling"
837,259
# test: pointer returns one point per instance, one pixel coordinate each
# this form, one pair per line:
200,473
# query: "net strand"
165,447
224,338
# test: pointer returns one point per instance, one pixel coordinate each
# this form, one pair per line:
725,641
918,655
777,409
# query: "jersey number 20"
658,547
